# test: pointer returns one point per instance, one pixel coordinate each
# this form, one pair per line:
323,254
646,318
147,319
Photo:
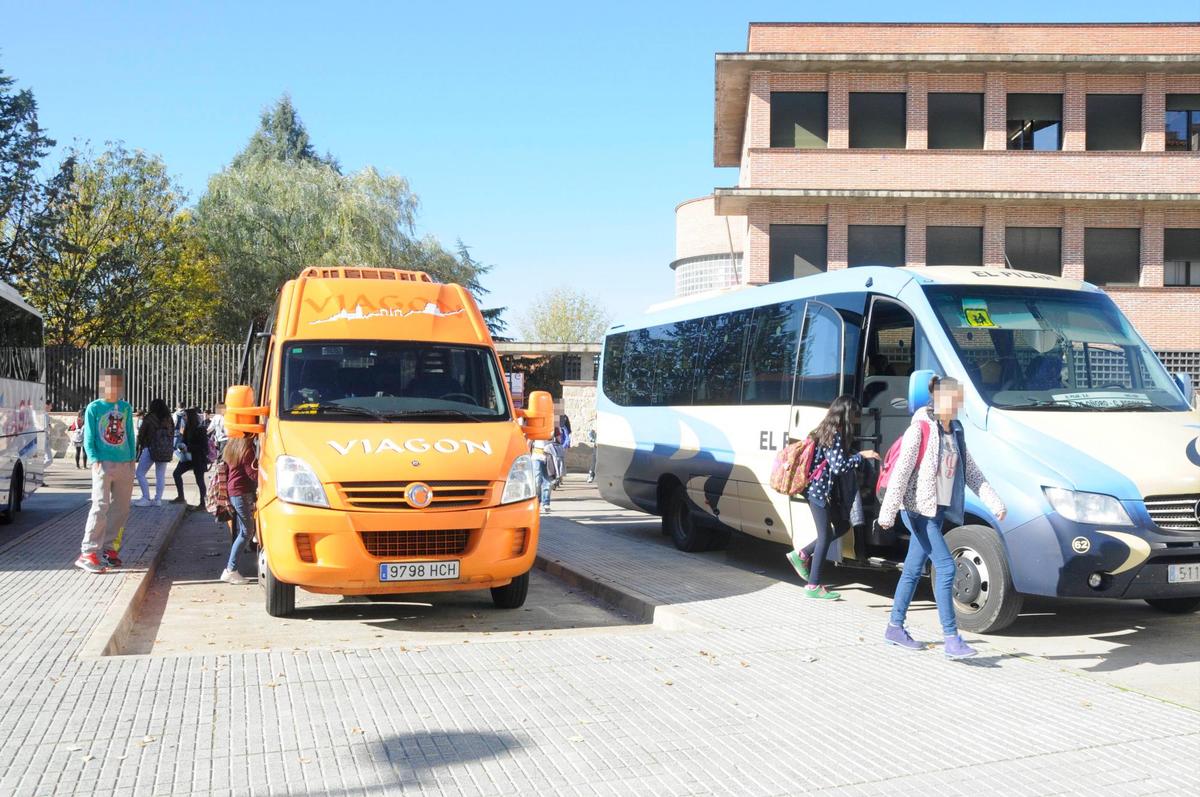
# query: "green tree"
23,144
281,136
564,315
115,258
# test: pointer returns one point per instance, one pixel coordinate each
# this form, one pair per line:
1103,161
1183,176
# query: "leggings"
197,465
818,549
160,475
243,522
78,453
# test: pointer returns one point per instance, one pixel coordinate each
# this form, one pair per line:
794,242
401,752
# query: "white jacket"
917,492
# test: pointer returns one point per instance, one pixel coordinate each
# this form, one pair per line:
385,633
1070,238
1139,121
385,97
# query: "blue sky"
554,138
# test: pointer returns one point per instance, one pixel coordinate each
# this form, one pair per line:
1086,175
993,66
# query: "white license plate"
418,571
1183,574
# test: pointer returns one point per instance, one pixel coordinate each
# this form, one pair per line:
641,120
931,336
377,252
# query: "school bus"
392,459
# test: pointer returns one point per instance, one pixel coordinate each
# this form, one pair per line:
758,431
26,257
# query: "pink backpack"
790,470
893,454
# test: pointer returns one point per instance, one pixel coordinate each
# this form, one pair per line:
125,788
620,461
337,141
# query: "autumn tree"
23,144
116,259
564,315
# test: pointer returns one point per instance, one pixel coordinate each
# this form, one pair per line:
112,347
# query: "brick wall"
1129,39
699,231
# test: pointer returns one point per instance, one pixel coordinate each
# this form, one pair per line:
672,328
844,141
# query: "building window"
1183,122
797,250
954,246
1181,258
955,121
877,120
1034,249
1112,256
799,119
1114,121
1034,121
875,245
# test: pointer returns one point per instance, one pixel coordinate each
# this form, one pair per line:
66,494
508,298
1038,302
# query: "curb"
624,599
112,632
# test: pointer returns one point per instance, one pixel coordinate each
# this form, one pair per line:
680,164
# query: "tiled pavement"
767,695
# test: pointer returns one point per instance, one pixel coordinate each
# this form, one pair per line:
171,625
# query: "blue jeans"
243,522
544,482
927,543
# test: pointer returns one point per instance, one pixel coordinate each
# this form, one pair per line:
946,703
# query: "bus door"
818,381
893,348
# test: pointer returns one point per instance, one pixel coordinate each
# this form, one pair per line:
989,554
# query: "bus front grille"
397,544
1175,512
390,495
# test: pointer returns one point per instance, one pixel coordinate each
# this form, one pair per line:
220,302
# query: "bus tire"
1175,605
984,597
681,524
9,513
512,595
280,597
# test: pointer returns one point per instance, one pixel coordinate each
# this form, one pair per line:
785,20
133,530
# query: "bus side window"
771,353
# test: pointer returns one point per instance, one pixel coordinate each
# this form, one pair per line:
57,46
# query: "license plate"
418,571
1183,574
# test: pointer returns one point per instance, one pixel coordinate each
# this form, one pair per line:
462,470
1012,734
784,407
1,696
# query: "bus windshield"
390,380
1052,349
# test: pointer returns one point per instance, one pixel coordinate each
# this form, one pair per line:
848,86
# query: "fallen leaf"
88,757
356,730
148,740
574,738
668,683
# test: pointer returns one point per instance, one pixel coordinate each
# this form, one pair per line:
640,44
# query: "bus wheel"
1175,605
281,598
9,513
685,530
984,597
511,595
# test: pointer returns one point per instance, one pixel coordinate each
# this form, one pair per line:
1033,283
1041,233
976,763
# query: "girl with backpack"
155,439
241,460
830,459
928,482
75,430
192,444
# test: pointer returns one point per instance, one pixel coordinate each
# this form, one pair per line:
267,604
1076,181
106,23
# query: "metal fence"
189,376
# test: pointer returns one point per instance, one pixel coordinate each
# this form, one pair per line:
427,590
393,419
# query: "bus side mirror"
241,415
539,416
1184,380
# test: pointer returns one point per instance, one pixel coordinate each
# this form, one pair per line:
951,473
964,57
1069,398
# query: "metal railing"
189,376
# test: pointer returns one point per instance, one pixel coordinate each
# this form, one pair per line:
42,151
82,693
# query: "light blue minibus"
1093,446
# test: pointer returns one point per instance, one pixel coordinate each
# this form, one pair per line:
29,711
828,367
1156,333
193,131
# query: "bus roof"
10,294
345,303
876,279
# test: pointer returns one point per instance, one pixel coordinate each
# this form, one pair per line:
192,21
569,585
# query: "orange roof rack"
358,273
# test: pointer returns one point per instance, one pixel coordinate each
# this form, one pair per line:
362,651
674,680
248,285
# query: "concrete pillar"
995,112
587,366
914,235
756,261
917,105
1152,249
1075,112
1072,243
1154,113
759,110
993,236
836,236
839,110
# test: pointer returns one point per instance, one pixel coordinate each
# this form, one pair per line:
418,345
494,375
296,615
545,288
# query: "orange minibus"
392,459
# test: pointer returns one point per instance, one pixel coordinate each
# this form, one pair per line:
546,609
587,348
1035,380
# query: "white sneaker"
142,502
232,577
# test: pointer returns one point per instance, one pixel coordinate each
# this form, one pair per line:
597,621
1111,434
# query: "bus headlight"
1087,507
297,483
522,481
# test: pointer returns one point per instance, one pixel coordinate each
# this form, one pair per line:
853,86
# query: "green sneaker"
799,564
822,594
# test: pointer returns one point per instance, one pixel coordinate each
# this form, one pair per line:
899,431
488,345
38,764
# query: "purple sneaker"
957,649
896,635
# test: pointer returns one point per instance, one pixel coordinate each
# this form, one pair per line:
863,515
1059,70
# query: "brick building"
1065,149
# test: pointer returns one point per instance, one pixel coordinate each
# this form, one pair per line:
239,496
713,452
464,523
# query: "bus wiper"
349,409
433,412
1043,404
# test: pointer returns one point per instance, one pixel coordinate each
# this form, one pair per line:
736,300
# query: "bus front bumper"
340,552
1058,557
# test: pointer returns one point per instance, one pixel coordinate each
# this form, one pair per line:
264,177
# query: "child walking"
930,489
242,460
75,430
109,442
155,442
831,458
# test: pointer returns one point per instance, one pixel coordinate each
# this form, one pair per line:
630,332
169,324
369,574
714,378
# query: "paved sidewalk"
726,707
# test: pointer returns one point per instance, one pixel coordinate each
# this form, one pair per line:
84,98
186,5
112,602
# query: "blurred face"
111,387
947,401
